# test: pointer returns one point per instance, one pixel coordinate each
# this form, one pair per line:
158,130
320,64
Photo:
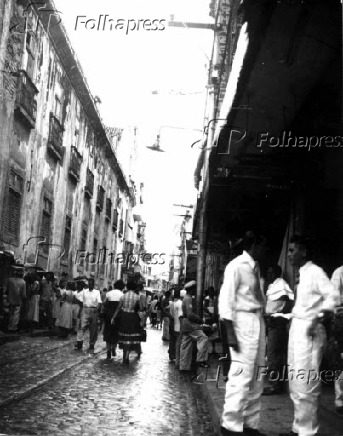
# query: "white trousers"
339,391
304,357
244,386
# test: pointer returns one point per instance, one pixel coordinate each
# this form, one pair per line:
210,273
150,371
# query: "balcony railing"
100,199
75,164
89,188
26,105
55,142
108,208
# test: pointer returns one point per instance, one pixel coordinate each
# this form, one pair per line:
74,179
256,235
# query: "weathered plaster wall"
26,151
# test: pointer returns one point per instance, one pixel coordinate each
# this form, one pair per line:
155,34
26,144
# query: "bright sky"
124,67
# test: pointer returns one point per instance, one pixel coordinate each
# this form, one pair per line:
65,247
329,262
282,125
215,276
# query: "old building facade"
274,141
65,202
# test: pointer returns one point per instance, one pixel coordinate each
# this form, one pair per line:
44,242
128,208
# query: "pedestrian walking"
175,311
16,294
192,325
241,305
316,296
129,326
33,297
280,300
57,300
102,313
143,305
65,318
153,311
91,301
110,306
178,318
76,287
165,316
46,300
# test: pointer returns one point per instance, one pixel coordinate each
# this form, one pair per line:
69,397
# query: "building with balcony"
65,201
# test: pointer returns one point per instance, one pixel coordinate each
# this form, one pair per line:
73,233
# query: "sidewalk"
30,362
14,337
277,410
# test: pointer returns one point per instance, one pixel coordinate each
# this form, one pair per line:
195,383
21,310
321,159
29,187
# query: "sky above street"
154,80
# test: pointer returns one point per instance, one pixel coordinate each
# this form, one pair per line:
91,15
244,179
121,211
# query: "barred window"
12,214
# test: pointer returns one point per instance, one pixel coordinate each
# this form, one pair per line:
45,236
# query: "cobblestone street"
96,397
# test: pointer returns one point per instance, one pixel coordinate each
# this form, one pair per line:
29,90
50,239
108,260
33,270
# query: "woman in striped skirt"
127,318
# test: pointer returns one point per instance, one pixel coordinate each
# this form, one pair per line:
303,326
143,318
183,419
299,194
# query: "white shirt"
278,289
89,298
337,281
114,295
315,293
177,312
241,290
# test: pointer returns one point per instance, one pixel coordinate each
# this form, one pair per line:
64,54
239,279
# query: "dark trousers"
172,341
47,319
277,344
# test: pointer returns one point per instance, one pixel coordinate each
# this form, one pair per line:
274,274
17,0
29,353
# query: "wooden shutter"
12,215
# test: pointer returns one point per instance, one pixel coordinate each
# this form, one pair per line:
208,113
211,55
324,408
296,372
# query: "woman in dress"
57,301
110,305
32,308
129,326
65,319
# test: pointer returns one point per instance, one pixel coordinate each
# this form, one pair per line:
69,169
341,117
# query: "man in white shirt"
241,304
337,281
175,310
91,300
315,296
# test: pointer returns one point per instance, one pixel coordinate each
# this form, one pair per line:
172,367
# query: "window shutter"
12,215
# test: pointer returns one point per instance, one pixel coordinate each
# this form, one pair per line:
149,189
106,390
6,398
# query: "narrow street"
97,397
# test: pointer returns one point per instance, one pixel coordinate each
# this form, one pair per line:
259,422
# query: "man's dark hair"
304,242
177,293
72,285
167,294
119,284
277,270
140,287
250,238
131,285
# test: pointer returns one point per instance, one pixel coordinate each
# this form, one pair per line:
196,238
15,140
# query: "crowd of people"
73,307
264,325
182,327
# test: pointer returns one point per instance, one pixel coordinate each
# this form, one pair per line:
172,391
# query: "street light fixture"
156,145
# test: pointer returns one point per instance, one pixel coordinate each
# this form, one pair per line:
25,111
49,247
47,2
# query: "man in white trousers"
337,281
315,297
241,306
